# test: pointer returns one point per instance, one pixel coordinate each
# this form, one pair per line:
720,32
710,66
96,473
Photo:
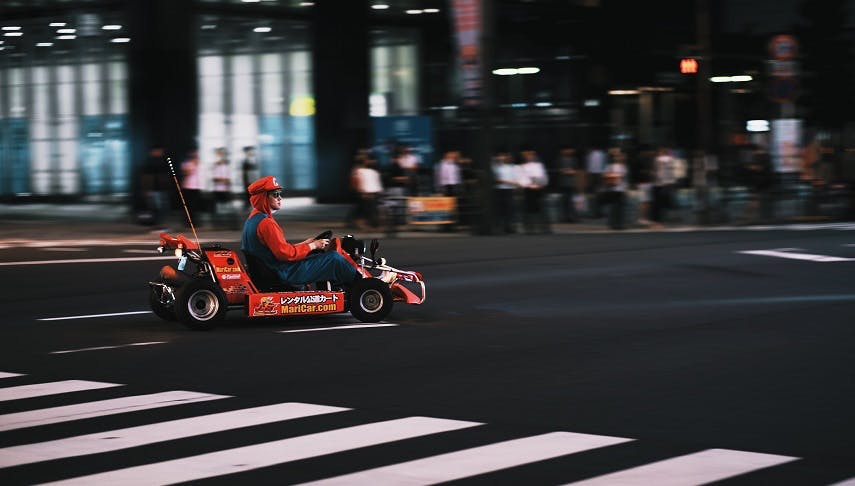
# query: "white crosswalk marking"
690,470
687,470
113,440
53,388
271,453
477,460
798,256
100,408
848,482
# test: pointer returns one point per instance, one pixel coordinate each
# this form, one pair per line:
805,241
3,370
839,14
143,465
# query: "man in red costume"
264,239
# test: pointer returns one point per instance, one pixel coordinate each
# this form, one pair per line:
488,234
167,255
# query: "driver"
265,239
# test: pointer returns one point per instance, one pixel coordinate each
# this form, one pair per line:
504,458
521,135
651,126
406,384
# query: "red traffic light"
689,65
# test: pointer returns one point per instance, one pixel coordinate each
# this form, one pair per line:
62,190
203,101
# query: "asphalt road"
653,358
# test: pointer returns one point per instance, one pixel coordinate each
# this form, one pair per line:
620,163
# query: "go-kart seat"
264,278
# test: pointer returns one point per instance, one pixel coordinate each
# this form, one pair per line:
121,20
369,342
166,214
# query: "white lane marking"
66,413
4,374
847,482
477,460
99,348
798,256
145,252
113,440
692,469
335,328
53,388
64,249
277,452
87,260
93,315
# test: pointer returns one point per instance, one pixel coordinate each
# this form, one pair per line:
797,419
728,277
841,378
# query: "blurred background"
88,88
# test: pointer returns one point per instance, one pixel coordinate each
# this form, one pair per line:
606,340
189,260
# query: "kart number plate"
182,262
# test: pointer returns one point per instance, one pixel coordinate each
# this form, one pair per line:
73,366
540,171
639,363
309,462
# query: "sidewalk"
302,218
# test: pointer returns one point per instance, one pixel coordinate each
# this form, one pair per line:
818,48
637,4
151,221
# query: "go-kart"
208,281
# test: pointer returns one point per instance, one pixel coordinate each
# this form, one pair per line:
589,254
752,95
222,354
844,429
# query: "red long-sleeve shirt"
273,236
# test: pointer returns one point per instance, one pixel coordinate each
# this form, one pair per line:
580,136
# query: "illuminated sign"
689,65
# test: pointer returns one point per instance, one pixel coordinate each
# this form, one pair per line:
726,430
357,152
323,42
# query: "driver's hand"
322,243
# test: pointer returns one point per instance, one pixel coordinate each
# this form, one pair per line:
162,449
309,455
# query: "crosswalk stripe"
797,256
4,374
53,388
33,418
477,460
689,470
271,453
113,440
847,482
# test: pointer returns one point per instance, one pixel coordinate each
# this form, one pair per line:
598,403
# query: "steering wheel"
324,236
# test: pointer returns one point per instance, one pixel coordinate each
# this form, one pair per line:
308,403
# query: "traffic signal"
688,65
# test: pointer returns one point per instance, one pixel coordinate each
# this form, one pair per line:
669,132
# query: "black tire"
369,300
161,302
201,305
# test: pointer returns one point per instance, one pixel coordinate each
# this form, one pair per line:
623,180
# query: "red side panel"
230,274
296,303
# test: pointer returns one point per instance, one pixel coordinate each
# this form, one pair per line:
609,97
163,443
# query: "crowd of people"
589,186
528,193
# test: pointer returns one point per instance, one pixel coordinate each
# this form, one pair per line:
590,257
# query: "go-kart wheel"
200,305
369,299
162,303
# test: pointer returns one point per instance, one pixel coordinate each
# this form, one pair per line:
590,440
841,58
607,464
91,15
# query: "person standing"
506,183
568,173
664,180
533,180
613,193
221,178
369,188
595,163
191,184
447,178
249,167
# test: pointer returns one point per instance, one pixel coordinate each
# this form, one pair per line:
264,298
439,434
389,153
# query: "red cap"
265,184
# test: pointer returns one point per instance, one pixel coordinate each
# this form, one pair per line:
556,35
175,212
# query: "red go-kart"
208,281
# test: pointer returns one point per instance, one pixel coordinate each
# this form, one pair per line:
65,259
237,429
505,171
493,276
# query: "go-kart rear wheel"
370,300
200,305
162,302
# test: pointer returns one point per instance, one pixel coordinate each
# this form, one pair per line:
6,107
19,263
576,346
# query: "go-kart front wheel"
200,305
161,301
370,300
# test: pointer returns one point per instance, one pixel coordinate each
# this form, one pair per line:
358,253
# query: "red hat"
265,184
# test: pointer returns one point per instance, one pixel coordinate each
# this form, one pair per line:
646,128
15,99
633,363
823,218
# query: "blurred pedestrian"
249,168
153,206
595,163
191,185
506,182
467,207
568,172
759,176
222,184
533,180
612,195
665,176
641,174
447,178
369,189
408,165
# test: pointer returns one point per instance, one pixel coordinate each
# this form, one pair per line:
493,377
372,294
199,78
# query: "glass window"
256,90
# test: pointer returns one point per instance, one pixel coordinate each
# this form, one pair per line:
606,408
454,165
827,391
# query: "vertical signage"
467,27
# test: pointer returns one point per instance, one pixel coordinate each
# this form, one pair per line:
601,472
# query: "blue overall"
318,267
